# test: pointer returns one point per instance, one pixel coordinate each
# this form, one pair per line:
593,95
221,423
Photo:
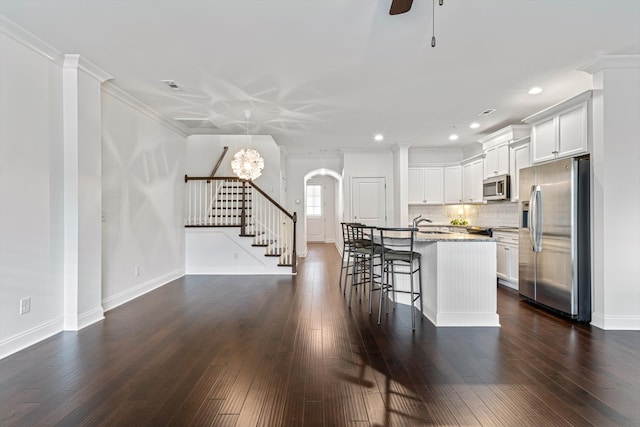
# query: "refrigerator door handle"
537,218
532,222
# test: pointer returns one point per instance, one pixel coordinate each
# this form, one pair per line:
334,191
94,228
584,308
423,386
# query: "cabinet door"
491,162
453,184
502,266
472,182
416,186
543,141
476,190
433,186
502,157
519,160
572,131
513,265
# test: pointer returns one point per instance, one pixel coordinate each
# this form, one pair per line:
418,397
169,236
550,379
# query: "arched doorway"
323,206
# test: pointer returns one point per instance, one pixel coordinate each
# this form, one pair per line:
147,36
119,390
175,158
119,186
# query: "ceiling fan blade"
400,6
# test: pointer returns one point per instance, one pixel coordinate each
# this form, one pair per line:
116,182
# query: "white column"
82,235
401,190
615,157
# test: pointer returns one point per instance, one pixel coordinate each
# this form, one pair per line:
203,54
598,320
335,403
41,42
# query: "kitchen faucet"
417,220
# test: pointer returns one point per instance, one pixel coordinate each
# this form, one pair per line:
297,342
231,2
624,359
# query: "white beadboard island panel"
458,279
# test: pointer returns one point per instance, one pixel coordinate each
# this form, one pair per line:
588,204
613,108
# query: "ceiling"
327,75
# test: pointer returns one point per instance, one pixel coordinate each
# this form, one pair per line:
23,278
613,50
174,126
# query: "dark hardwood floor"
276,350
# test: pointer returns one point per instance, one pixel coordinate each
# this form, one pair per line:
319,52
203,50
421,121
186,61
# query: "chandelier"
247,164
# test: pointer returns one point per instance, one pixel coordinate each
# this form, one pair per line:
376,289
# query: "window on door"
314,200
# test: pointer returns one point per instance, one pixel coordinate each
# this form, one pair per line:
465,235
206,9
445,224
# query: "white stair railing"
232,202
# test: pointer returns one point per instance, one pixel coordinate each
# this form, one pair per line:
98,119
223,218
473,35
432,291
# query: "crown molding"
609,62
28,39
113,90
93,70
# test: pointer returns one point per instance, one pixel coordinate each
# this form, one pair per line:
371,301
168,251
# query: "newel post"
294,256
243,215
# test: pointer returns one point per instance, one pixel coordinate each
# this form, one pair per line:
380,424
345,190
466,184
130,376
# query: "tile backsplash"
490,214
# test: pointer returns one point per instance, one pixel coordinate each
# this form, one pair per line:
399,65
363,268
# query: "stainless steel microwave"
496,188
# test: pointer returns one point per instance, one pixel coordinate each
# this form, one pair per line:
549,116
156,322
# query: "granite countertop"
443,236
508,228
505,228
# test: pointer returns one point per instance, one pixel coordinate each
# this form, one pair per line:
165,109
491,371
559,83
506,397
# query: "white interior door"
315,208
368,201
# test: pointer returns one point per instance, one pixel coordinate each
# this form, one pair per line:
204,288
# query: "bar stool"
367,257
400,258
348,246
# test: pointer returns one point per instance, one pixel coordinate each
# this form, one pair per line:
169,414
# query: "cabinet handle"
554,152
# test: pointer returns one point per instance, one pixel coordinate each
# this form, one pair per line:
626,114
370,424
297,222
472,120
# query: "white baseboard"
615,323
85,319
468,319
133,293
28,338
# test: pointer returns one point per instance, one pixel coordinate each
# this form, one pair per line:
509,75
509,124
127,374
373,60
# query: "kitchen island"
458,279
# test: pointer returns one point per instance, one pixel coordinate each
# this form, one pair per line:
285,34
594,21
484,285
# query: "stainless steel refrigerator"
554,245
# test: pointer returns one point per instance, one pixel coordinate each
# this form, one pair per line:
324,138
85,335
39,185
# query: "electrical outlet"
235,255
25,305
137,271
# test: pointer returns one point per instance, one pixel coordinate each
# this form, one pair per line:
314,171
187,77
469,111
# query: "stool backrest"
398,238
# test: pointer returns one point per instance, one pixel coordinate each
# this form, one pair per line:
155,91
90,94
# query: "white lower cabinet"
507,258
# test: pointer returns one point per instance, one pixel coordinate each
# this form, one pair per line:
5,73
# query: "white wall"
616,198
143,164
203,151
425,156
374,163
30,194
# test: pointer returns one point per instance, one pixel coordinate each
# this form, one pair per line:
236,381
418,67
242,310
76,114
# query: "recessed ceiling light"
379,137
474,125
535,90
453,137
486,112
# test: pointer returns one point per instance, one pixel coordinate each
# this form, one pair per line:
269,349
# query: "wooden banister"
215,168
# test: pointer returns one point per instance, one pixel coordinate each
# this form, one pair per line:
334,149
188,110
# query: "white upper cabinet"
426,185
496,149
453,184
472,182
561,130
520,158
496,161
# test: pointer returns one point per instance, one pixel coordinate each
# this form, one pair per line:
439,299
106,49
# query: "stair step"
274,254
264,244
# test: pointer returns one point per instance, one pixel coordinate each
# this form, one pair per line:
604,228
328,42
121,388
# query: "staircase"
231,202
